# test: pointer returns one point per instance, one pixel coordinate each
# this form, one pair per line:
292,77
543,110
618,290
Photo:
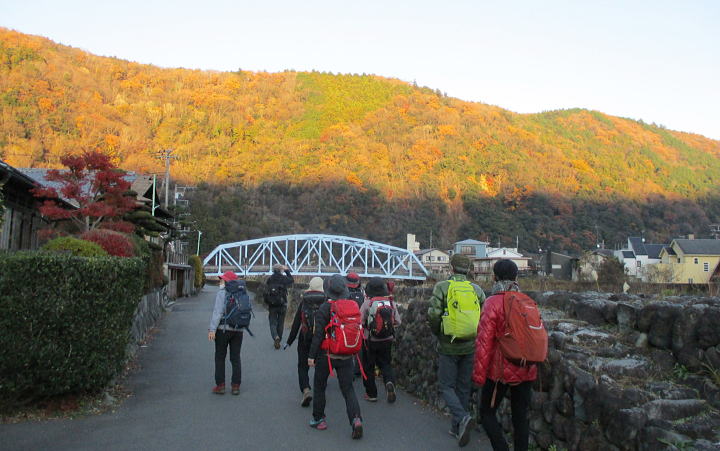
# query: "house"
689,261
639,256
21,219
557,265
435,261
588,265
471,248
485,265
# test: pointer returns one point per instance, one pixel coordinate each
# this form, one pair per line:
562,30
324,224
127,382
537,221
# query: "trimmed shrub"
196,263
64,322
114,243
76,246
118,226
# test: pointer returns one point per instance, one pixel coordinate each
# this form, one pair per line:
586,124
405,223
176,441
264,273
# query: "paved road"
172,407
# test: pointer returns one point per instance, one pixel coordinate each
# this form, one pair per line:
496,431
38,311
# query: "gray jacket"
218,312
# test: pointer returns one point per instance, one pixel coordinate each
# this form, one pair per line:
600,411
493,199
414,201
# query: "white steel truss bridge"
314,255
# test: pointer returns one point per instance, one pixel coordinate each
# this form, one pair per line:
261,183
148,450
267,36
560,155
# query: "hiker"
357,294
453,315
304,324
380,318
322,357
226,332
275,298
496,373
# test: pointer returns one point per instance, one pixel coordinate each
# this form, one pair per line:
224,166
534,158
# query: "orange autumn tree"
93,184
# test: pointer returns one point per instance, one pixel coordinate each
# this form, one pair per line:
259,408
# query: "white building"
638,257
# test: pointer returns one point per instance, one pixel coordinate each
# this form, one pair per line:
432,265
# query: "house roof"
628,254
669,250
425,251
699,247
653,250
17,174
637,245
508,253
471,242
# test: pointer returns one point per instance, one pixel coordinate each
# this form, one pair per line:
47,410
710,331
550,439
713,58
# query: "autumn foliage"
92,184
114,243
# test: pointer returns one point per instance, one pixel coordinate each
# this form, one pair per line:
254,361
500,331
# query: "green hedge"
78,247
196,263
64,322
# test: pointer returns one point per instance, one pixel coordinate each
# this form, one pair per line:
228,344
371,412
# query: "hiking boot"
370,398
277,343
357,428
235,389
464,428
390,387
219,389
307,397
320,424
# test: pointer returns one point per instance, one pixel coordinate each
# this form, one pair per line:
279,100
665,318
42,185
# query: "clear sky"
654,60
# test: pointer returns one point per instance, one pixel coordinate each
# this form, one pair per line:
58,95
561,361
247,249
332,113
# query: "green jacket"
438,303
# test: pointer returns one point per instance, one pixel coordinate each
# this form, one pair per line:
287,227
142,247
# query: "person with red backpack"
303,327
511,339
380,317
335,344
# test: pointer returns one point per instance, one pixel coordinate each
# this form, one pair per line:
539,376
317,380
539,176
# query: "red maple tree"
93,184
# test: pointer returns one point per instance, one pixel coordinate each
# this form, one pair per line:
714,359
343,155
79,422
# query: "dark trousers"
519,405
343,369
454,373
277,321
223,340
303,349
377,353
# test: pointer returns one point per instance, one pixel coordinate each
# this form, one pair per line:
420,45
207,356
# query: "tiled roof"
19,175
653,250
669,250
637,245
699,247
471,242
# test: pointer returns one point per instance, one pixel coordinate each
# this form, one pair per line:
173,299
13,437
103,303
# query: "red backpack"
381,317
524,340
343,333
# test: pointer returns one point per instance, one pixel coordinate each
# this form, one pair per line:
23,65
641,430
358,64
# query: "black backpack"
276,295
381,317
311,302
238,310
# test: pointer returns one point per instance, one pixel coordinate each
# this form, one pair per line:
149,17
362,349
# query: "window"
706,267
430,258
467,250
696,260
690,281
678,259
638,263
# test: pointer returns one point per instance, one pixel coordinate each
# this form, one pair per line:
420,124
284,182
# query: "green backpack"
462,312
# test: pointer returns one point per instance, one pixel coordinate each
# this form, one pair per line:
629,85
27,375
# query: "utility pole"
166,155
198,244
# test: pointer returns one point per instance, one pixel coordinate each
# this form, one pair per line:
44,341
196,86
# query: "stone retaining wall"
149,310
623,372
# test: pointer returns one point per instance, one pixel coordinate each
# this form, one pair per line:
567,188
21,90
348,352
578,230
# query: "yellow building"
689,261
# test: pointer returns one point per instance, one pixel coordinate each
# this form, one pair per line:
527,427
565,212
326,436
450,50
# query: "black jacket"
312,297
284,280
322,318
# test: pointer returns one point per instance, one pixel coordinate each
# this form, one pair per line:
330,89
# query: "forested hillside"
406,159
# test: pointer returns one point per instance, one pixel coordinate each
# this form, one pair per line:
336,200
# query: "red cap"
228,276
391,286
352,280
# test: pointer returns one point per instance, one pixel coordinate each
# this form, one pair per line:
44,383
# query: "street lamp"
198,246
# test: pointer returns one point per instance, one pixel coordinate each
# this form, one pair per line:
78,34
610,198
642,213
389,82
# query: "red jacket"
489,361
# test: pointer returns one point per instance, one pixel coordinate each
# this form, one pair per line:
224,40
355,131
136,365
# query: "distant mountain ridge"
365,132
309,127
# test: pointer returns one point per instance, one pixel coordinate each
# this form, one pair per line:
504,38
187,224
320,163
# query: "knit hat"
277,267
352,280
460,263
335,287
316,284
228,276
376,287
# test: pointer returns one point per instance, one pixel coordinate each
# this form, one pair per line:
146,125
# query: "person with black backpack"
231,314
380,318
303,328
275,298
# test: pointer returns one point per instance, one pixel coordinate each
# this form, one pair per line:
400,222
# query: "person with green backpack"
453,315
